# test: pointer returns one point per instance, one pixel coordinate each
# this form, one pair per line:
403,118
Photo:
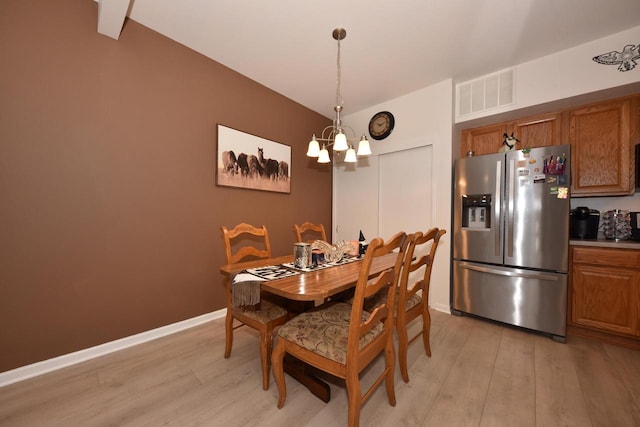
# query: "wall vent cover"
487,93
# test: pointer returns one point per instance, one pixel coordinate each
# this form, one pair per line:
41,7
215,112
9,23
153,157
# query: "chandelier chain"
339,78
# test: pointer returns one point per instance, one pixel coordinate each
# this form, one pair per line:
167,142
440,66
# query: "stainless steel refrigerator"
511,238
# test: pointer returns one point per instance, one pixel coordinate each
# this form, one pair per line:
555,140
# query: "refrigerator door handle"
524,274
511,208
496,208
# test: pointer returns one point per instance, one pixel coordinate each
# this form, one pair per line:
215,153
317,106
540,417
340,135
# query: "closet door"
355,199
405,191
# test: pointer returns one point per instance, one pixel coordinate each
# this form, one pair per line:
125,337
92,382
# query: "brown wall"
109,213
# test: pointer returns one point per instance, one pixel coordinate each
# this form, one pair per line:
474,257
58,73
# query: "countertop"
606,243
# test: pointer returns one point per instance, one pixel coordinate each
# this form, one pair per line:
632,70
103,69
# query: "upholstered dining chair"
413,293
309,229
342,339
268,314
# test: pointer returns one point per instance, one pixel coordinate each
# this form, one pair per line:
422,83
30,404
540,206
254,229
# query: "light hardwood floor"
480,374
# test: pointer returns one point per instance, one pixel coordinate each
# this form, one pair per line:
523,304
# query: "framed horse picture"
249,161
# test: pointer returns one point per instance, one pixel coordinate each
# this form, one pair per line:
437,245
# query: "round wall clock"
381,125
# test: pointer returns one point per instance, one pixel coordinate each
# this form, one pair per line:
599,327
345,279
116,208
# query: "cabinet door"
605,298
539,131
483,140
600,149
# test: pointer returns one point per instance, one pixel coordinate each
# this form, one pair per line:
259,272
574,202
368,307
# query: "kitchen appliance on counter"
617,224
511,238
635,225
583,223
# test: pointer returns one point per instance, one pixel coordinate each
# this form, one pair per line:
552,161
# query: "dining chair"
413,298
342,339
263,317
309,229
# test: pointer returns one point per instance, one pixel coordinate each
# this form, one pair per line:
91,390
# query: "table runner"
345,260
245,286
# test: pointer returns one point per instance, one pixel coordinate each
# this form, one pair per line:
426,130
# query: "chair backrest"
252,238
410,264
367,287
308,229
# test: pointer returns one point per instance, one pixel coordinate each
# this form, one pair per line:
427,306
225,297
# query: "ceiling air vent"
493,91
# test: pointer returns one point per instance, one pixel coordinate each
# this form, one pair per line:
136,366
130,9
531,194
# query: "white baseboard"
39,368
445,308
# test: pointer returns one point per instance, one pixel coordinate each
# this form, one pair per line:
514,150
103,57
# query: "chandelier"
334,135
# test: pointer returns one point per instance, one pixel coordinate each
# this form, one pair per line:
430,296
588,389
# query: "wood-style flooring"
480,374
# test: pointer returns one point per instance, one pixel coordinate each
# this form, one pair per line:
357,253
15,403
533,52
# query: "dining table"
303,288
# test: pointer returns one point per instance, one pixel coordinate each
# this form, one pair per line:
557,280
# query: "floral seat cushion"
265,312
325,330
414,300
379,298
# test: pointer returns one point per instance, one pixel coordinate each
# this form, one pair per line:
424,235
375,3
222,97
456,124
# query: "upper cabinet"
537,131
601,135
483,140
601,150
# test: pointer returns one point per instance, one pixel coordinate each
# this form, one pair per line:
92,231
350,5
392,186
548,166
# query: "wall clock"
381,125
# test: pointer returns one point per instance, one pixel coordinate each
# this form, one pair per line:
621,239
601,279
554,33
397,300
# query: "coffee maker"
583,223
635,224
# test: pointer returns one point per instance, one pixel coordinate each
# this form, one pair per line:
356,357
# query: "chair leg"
390,362
403,344
354,398
265,354
426,328
277,358
228,325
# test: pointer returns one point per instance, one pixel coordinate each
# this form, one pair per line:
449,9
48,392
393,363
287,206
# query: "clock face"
381,125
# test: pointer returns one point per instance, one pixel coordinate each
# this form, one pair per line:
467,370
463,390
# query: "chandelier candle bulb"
314,148
323,156
340,143
350,157
363,147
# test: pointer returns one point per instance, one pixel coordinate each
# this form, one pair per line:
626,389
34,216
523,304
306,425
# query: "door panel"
534,300
537,210
405,191
477,208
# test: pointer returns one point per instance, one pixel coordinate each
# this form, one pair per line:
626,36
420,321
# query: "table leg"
300,371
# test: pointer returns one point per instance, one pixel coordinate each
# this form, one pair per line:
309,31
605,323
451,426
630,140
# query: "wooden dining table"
318,284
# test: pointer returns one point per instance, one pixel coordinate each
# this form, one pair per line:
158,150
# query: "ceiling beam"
111,14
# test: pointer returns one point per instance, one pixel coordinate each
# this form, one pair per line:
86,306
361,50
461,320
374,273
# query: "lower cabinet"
604,295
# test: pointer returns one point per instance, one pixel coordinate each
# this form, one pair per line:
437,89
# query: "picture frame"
250,162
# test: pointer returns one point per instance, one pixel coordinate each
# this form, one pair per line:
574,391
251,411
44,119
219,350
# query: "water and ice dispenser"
476,211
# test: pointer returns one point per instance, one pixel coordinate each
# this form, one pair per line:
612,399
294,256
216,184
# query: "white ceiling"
392,47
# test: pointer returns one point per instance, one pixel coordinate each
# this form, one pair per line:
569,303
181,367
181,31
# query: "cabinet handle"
510,273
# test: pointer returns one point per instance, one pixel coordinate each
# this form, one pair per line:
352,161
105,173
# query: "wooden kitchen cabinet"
602,138
601,149
536,131
604,294
483,140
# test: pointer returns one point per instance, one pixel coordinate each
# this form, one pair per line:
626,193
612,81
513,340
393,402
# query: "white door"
405,191
392,192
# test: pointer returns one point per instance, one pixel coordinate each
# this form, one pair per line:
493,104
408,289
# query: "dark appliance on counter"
635,226
584,223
